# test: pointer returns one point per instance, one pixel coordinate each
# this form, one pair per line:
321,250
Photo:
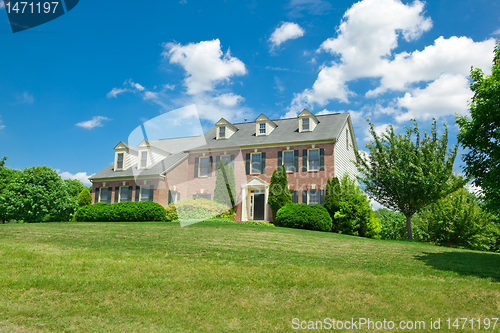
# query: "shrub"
84,198
279,194
332,197
302,216
121,212
198,208
267,224
393,225
171,212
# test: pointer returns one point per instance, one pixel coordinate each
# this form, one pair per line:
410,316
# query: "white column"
244,204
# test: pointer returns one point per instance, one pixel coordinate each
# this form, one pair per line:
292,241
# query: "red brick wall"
160,194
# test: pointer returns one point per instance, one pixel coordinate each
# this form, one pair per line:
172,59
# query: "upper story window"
313,159
288,161
262,128
256,163
119,161
305,124
222,132
144,159
205,167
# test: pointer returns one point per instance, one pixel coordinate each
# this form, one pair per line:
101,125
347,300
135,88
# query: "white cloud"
81,176
150,95
169,86
115,92
229,99
135,85
379,129
445,96
205,64
96,121
496,32
278,84
286,31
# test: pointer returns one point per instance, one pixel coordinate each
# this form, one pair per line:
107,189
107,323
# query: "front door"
258,207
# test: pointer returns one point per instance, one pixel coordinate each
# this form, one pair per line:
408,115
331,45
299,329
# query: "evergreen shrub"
121,212
302,216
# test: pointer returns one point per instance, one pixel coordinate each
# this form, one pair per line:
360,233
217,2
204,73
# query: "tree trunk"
408,227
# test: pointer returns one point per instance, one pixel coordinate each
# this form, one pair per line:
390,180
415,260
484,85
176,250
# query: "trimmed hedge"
198,208
267,224
121,212
302,216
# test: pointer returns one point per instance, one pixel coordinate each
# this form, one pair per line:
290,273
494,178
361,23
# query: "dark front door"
258,207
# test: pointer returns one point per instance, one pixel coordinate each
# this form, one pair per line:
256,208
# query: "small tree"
332,197
225,185
74,186
84,198
405,173
279,194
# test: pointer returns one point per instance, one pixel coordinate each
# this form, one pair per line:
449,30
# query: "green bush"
84,198
267,224
198,208
332,197
279,194
302,216
393,225
121,212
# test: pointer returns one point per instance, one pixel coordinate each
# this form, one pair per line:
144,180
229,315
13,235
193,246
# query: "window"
205,165
222,132
175,196
145,192
305,124
256,160
288,161
105,195
262,128
313,197
119,161
144,159
124,194
226,159
313,156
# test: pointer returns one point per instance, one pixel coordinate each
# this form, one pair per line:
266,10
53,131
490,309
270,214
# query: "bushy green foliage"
84,198
7,176
458,221
267,224
74,187
36,193
408,172
225,185
198,208
355,215
393,225
332,197
302,216
121,212
279,194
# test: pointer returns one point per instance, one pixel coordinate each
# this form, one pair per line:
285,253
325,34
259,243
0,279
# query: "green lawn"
208,277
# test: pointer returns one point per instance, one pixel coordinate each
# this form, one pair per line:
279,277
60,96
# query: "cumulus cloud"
81,176
150,95
229,99
205,64
96,121
286,31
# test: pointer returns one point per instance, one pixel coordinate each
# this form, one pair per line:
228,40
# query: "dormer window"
144,159
262,128
305,124
224,129
307,121
119,161
264,125
222,132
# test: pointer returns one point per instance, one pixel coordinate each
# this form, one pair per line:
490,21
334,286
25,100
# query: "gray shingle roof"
329,128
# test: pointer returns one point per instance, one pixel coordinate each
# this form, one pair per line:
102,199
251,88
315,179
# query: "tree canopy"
481,132
279,194
407,172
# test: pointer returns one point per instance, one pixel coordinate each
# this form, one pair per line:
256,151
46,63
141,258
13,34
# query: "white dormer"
264,125
307,121
224,129
124,155
149,155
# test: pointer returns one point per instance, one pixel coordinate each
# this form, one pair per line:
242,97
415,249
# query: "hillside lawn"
215,277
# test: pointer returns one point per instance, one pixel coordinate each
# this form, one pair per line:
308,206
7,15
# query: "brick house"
311,148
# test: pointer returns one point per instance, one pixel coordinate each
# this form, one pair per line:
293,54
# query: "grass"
212,277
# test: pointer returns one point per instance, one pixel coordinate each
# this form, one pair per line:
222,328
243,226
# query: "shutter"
96,195
137,193
196,162
210,158
321,197
295,196
217,162
110,191
295,161
170,197
151,193
247,164
117,191
280,159
262,162
321,159
129,194
304,160
304,196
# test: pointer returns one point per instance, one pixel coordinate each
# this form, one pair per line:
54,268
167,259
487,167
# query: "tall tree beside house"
38,194
279,194
225,185
407,173
332,197
481,133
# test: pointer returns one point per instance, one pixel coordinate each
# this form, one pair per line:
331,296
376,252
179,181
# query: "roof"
287,131
177,145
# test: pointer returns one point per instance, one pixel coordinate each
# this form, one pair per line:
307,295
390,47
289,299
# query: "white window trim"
225,132
260,164
140,193
100,193
116,161
265,128
309,195
148,153
308,159
120,193
199,167
293,159
308,124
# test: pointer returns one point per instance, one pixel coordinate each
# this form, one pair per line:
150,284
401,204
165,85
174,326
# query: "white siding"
130,159
155,157
344,156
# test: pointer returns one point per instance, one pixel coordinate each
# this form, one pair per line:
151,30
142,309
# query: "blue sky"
73,88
